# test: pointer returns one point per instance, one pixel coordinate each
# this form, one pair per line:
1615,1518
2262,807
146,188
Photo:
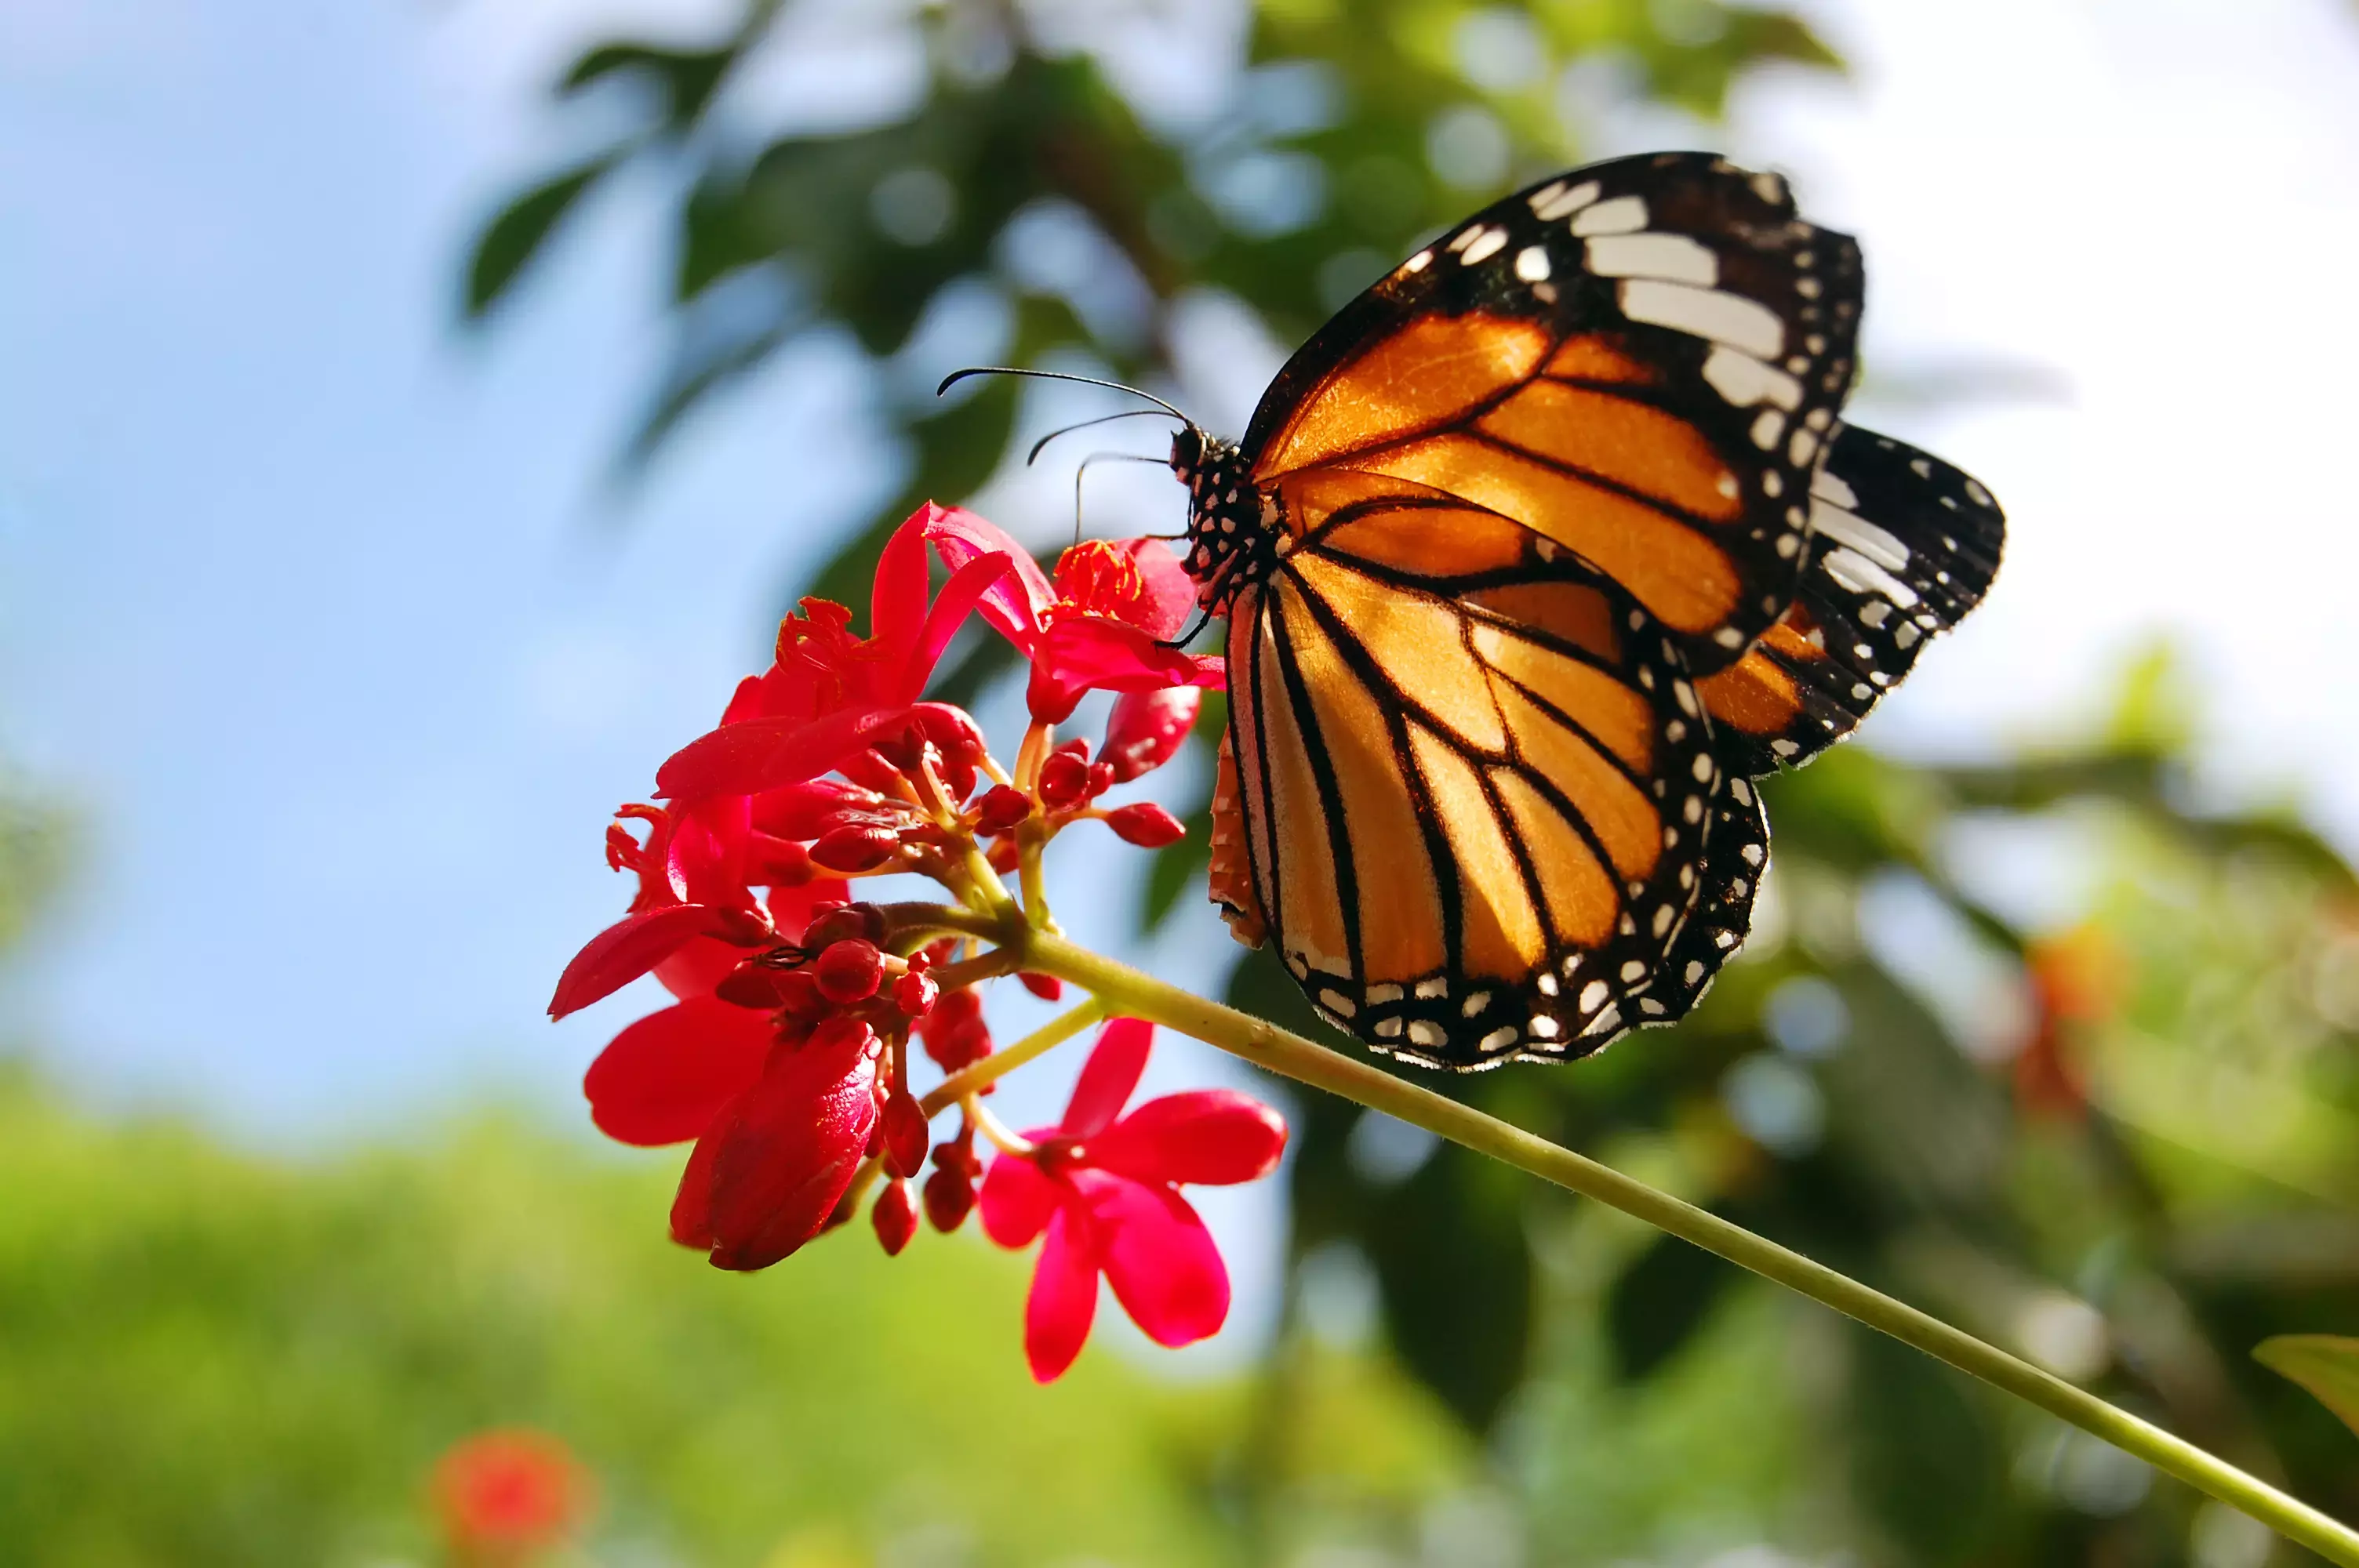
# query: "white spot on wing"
1623,215
1490,242
1532,264
1745,380
1850,528
1555,200
1674,258
1723,318
1855,572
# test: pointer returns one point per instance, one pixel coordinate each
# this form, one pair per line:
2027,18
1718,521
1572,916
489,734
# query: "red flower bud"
1146,825
1147,728
949,1198
797,993
954,1033
850,849
1047,988
744,927
769,1171
1003,856
1001,809
849,970
1064,781
754,984
794,812
954,733
841,1033
914,993
906,1134
833,923
894,1216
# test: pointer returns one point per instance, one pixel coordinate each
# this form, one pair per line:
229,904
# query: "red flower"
830,695
1105,1194
504,1496
1103,624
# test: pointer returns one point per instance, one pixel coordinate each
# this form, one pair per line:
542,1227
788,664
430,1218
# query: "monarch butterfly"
1533,558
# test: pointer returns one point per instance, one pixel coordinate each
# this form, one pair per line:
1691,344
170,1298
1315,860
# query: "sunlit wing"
1902,546
1477,790
1640,362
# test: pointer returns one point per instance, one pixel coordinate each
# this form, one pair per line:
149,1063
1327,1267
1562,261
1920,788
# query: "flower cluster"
786,1057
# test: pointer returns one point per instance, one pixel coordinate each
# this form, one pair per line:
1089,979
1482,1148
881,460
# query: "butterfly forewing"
1640,362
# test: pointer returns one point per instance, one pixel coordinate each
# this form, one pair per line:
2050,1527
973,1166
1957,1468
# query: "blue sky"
316,614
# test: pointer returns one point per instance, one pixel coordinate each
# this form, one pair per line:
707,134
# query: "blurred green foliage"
1343,135
210,1357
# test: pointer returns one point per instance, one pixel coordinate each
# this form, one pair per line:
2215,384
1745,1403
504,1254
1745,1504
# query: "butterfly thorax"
1233,529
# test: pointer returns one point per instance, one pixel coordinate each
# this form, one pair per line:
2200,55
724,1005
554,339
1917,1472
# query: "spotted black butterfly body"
1533,558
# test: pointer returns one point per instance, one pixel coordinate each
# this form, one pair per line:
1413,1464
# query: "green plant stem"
1000,1063
1127,992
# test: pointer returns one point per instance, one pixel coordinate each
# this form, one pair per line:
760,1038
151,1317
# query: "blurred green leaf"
684,79
513,238
2325,1363
1658,1304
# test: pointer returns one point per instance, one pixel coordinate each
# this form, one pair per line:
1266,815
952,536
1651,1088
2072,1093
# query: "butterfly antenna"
959,375
1100,420
1084,467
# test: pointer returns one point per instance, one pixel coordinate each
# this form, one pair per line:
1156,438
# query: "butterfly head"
1233,527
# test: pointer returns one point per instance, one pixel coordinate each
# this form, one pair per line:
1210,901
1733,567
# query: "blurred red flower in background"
504,1498
2079,980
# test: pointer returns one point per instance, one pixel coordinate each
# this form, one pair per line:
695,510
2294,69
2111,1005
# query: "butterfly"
1534,557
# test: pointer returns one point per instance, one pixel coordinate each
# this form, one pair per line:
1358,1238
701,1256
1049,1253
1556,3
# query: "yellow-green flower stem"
999,1063
1118,990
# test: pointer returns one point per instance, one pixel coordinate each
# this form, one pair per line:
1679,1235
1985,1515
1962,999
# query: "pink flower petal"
629,948
1158,1257
1168,586
770,754
1064,1295
707,852
1016,603
1092,652
700,967
1018,1200
663,1079
896,604
1208,1137
1108,1076
968,587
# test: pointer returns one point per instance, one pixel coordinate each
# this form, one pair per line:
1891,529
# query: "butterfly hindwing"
1639,361
1478,803
1902,545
